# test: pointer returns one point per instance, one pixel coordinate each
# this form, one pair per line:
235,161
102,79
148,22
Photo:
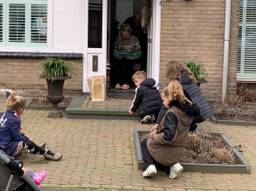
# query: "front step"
111,108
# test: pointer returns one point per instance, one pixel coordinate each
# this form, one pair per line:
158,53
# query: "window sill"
40,55
246,80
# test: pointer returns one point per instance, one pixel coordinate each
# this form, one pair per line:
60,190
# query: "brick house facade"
23,74
195,30
189,30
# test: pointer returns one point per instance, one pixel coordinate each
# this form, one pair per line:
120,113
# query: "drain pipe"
226,50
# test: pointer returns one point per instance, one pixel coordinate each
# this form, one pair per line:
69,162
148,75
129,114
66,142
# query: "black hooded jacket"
147,99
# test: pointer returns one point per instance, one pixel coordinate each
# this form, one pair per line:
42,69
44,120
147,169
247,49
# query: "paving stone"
99,155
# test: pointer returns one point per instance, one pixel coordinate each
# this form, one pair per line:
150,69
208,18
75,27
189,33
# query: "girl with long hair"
165,145
12,140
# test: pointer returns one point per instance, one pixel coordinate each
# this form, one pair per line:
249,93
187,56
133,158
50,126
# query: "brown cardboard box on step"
97,88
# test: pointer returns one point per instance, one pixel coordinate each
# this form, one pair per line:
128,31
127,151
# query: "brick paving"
99,155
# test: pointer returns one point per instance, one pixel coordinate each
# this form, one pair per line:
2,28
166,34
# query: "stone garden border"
235,122
243,167
215,120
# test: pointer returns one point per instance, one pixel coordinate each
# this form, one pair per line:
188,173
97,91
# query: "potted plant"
56,71
198,71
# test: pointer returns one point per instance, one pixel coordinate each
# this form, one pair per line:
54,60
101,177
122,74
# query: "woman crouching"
165,145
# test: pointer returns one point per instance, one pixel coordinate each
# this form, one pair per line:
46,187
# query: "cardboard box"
97,88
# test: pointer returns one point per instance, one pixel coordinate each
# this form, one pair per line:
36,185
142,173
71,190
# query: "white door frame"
102,52
88,53
156,31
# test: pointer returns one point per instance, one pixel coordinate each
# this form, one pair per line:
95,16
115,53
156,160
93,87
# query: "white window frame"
241,74
5,25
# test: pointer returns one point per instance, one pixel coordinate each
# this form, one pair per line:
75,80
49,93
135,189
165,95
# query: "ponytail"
16,103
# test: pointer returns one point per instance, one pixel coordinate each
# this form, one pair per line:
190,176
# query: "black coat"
147,99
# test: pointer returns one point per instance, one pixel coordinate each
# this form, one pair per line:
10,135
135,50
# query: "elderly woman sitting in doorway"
126,53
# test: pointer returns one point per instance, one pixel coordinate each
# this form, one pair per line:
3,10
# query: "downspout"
226,49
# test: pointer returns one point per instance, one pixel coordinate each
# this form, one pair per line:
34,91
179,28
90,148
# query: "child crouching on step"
147,100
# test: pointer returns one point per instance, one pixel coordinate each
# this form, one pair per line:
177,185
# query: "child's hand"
130,112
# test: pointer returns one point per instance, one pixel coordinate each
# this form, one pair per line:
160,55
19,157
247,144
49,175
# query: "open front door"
95,35
153,58
95,59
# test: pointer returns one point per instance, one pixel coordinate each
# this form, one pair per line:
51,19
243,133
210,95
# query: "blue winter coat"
195,95
147,99
10,134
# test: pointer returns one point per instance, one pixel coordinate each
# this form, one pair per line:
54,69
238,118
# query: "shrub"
197,69
56,68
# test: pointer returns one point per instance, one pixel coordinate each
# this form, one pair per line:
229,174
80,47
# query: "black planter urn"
55,91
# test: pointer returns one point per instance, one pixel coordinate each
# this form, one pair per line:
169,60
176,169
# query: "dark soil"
42,101
240,107
207,149
237,110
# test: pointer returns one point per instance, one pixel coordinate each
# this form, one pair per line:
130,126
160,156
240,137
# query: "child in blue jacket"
12,141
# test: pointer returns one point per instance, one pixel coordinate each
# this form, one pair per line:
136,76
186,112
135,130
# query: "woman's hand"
154,128
151,134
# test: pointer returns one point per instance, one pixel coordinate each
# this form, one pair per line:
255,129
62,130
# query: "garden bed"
237,109
234,113
43,103
205,153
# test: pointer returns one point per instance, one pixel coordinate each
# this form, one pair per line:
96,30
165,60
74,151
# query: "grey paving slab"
113,107
99,155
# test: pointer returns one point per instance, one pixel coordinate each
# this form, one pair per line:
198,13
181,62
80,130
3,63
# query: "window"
95,24
247,40
16,23
23,23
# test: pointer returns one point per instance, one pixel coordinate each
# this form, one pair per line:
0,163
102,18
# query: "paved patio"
99,155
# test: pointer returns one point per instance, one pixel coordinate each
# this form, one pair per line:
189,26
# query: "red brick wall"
195,30
24,75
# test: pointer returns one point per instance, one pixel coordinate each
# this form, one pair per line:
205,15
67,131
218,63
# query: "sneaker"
38,177
146,119
150,171
175,170
49,155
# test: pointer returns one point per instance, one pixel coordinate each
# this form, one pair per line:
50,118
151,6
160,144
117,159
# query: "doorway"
131,16
99,40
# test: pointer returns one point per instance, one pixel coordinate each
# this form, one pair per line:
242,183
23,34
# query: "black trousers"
148,160
33,147
123,70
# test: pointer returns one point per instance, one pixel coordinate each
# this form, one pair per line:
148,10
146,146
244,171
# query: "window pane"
250,49
241,11
239,48
16,23
1,22
38,23
251,11
247,38
95,24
